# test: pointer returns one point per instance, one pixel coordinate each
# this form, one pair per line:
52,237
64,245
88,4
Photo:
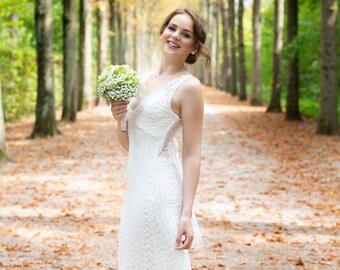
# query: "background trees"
328,122
302,78
3,154
275,100
45,124
256,97
292,107
70,65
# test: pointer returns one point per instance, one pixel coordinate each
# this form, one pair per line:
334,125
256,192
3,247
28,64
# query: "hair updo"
200,35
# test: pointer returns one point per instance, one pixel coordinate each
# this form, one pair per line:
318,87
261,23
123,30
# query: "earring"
193,52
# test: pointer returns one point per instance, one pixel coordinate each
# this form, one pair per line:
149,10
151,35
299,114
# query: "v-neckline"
143,99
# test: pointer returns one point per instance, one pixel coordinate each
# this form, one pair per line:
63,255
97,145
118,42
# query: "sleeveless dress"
153,200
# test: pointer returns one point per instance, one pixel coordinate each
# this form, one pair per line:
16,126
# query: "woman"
157,224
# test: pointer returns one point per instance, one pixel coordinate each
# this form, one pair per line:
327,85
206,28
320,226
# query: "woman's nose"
175,35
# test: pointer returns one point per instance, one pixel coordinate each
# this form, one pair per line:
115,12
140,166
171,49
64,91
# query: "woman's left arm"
192,109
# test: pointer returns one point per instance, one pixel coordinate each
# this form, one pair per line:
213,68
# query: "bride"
158,225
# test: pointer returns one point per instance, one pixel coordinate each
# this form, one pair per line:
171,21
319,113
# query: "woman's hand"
184,229
119,109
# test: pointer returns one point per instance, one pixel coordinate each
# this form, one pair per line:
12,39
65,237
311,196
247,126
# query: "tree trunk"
3,154
292,104
45,124
113,32
70,65
256,98
242,64
85,98
214,43
226,66
121,52
134,43
328,122
102,37
233,47
209,18
275,101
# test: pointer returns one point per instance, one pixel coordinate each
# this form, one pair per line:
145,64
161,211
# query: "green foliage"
307,45
18,56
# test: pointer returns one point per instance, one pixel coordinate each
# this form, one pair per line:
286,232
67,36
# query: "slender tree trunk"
214,42
205,7
226,66
209,22
70,65
85,98
113,32
233,47
126,33
292,106
328,122
242,64
120,34
256,98
275,101
3,154
45,123
134,41
102,37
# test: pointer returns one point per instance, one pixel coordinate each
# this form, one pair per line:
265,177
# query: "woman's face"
178,38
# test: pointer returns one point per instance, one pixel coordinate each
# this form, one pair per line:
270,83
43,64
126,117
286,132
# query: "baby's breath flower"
118,82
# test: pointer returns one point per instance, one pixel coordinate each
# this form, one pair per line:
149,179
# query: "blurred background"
89,35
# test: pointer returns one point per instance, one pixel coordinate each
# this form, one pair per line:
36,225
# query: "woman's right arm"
119,110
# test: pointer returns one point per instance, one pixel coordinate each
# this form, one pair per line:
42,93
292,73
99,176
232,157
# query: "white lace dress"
153,200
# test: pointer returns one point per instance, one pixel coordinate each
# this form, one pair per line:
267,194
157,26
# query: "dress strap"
175,85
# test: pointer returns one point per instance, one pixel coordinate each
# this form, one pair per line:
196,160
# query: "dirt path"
268,197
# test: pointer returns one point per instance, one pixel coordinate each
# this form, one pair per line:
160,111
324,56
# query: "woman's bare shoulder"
191,85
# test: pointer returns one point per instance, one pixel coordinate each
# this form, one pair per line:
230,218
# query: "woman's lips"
173,44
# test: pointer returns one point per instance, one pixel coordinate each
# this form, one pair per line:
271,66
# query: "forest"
272,90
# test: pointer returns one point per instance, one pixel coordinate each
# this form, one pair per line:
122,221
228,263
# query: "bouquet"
118,83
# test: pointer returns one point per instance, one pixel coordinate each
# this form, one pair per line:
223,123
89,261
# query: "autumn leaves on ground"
267,197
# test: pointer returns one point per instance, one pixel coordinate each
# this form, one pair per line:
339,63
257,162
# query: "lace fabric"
153,200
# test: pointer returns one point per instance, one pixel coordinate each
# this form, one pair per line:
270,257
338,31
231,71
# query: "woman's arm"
192,109
119,110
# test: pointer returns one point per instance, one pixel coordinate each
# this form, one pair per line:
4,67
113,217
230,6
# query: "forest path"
267,199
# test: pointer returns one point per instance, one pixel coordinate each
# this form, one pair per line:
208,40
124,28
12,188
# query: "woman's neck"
170,67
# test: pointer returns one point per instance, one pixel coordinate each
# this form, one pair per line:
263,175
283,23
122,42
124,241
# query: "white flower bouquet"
118,83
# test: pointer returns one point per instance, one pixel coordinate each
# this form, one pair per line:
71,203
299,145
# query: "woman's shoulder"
191,83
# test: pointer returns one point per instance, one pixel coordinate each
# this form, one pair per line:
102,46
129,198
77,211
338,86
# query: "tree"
85,98
292,104
213,19
45,124
134,37
275,100
113,32
121,51
226,65
70,107
328,122
233,47
256,98
242,68
102,37
3,154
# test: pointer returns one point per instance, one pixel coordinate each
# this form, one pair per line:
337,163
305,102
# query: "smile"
173,44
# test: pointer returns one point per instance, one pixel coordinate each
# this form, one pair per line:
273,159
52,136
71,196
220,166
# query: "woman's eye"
171,28
186,35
